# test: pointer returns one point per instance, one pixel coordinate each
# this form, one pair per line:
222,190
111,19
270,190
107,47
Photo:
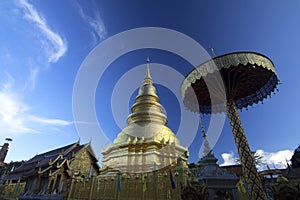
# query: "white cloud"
12,114
56,122
229,159
276,159
15,116
9,83
94,21
54,45
31,80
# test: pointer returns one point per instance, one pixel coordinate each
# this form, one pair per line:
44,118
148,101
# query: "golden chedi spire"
146,143
148,78
147,107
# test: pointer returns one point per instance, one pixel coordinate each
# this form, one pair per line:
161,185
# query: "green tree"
296,158
258,158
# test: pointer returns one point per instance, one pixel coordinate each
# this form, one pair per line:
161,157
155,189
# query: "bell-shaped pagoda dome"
146,144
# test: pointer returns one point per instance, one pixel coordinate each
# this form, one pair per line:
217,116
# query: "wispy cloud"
94,20
54,45
8,84
12,114
31,79
276,159
56,122
15,115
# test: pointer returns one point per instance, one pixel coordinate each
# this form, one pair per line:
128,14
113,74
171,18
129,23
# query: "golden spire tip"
148,78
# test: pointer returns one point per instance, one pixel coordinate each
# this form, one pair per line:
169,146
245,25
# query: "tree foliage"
258,158
296,158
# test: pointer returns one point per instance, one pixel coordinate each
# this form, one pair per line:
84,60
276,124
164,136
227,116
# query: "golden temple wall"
154,185
12,190
82,163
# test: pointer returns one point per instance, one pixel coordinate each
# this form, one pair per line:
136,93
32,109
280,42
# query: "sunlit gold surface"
146,144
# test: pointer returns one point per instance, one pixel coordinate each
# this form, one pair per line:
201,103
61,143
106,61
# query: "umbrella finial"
212,51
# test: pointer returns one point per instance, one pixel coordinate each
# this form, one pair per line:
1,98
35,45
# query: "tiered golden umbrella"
225,84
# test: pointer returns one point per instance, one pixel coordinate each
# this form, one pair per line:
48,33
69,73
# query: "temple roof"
211,170
47,161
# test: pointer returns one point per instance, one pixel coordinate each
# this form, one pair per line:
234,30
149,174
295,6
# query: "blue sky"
43,44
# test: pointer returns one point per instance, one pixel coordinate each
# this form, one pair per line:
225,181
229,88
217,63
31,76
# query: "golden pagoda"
146,144
146,160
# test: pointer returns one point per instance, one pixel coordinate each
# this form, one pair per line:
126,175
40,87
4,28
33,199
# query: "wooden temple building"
49,175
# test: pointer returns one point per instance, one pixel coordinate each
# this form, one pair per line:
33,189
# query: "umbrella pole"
247,160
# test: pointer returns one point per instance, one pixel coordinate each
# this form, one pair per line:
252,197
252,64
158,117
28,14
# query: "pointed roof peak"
206,145
148,78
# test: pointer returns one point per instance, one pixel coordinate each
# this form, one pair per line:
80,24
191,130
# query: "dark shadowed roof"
44,160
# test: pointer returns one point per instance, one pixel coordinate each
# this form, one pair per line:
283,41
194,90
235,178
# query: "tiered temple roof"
46,164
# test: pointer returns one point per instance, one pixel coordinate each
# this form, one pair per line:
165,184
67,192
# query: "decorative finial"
202,128
147,79
212,51
207,148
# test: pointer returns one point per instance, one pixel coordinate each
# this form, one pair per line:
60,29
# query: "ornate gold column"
248,163
92,188
71,188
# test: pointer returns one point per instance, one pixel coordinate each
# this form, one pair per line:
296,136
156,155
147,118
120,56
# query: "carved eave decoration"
257,66
59,165
44,170
54,161
54,173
